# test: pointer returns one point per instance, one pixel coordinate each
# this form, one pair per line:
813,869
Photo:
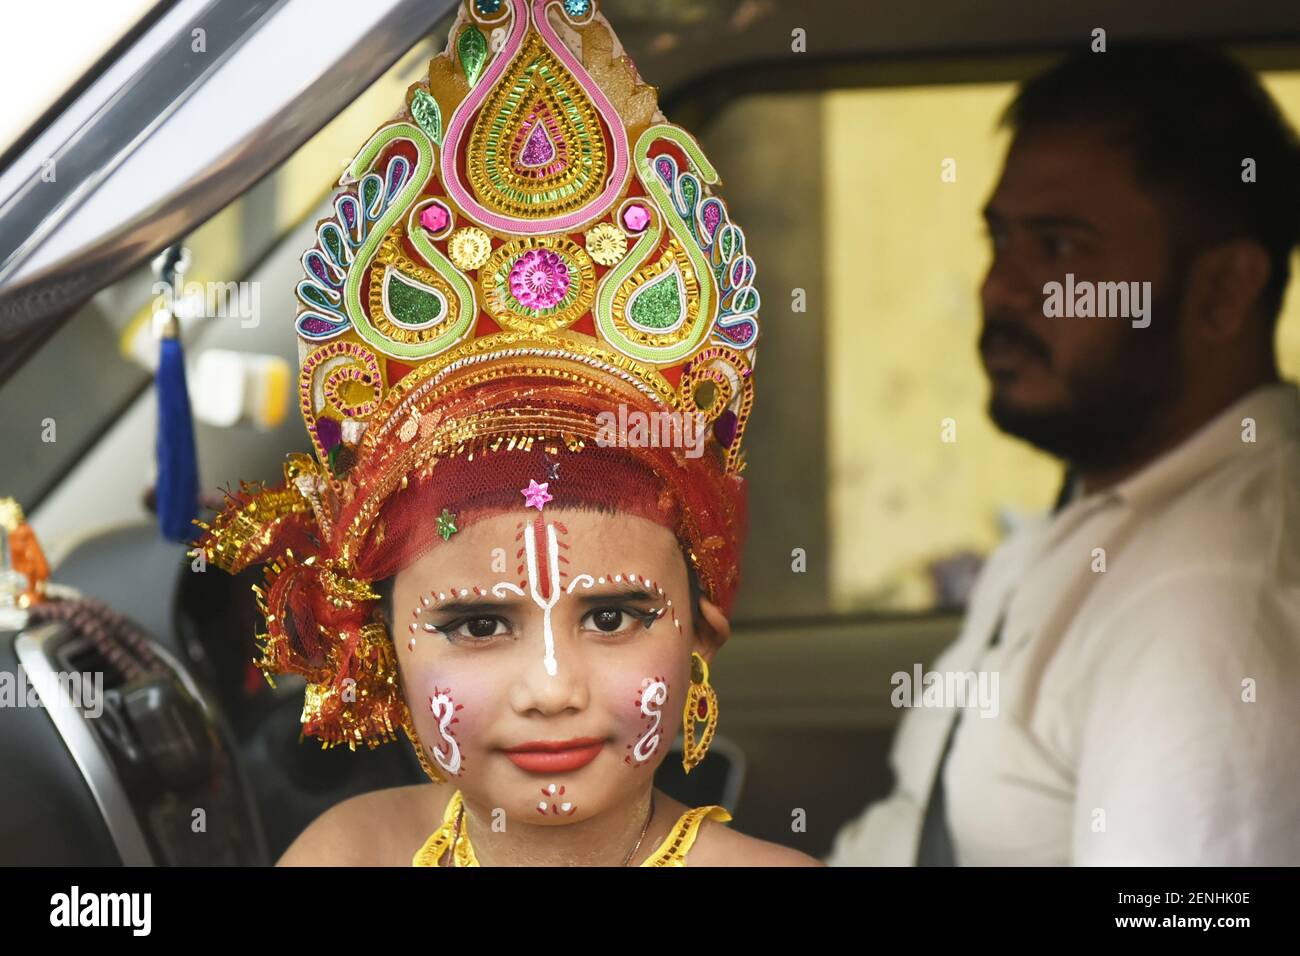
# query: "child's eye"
607,619
471,629
617,620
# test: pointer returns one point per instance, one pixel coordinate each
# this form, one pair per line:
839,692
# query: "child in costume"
527,338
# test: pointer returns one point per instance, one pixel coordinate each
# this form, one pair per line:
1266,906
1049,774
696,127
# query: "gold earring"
701,705
425,764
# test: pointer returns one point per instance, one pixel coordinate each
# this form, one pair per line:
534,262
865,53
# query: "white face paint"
447,754
554,807
653,697
597,563
544,588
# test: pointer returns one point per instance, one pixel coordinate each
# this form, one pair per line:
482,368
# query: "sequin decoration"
338,240
538,284
435,217
738,301
659,304
364,287
446,524
472,47
636,217
577,163
538,279
427,114
577,9
342,378
469,248
724,244
733,394
606,243
409,303
536,149
487,7
535,495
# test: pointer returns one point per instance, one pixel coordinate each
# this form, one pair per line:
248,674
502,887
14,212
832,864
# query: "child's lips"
555,756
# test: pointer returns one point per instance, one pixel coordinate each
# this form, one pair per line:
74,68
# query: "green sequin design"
409,304
659,304
428,115
466,305
317,297
333,241
649,240
370,192
691,194
473,50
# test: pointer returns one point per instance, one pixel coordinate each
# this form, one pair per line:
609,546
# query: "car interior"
184,125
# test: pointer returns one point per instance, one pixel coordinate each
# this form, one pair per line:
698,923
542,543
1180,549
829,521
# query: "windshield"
44,78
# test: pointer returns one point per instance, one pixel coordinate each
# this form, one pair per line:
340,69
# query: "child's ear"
711,629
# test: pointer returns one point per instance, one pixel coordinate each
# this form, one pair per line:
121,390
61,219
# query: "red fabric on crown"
678,494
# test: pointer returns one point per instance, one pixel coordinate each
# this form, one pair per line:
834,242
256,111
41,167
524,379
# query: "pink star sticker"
535,495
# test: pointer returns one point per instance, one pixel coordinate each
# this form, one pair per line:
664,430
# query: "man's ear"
711,630
1227,281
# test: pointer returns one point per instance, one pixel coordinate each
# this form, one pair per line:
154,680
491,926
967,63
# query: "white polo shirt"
1148,713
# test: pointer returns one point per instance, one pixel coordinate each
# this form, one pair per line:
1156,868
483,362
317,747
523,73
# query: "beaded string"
123,643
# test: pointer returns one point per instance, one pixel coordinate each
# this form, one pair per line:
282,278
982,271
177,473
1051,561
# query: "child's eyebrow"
617,594
472,607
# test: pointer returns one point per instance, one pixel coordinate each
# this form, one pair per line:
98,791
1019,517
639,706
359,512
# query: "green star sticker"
446,524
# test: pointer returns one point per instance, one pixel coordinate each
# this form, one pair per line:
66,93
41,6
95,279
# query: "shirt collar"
1275,410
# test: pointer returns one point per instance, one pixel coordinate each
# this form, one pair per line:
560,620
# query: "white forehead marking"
534,587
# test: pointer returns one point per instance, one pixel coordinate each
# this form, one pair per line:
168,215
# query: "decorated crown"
526,248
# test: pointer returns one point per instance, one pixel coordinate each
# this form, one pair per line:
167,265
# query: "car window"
107,347
44,78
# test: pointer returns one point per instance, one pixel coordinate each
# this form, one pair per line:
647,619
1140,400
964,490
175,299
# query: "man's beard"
1113,406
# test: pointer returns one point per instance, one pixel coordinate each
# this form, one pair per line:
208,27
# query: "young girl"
527,338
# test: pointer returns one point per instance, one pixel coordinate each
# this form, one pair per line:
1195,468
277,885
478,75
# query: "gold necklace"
460,816
644,830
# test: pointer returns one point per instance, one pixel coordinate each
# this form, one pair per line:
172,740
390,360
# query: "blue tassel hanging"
177,490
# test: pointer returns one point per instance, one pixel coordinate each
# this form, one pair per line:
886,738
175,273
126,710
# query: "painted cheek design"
654,694
447,754
557,808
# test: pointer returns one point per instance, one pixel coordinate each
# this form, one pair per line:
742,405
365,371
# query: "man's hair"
1192,115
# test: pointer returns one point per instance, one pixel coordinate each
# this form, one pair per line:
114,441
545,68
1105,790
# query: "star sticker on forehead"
447,524
535,495
552,468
